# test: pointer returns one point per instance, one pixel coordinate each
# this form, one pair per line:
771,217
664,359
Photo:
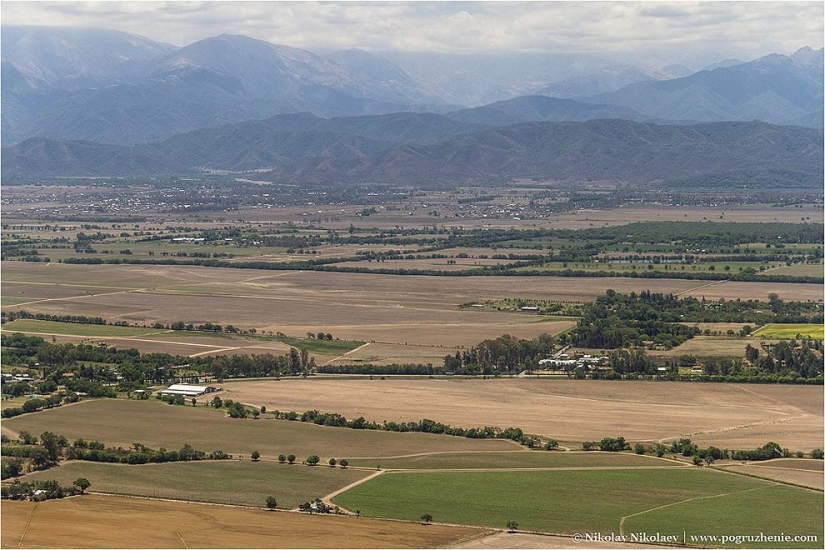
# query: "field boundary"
621,522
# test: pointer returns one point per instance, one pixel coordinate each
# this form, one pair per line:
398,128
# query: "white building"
188,390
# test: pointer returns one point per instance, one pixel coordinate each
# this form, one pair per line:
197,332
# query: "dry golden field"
734,416
122,422
98,521
807,473
524,540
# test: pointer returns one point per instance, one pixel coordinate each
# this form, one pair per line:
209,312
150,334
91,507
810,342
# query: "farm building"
188,390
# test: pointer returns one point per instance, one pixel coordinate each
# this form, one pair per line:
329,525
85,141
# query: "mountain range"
415,148
121,89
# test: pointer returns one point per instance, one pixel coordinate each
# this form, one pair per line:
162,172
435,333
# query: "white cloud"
653,30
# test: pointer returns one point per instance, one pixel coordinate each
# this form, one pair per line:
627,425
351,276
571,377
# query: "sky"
654,32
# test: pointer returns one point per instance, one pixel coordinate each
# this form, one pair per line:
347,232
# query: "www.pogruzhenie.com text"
669,538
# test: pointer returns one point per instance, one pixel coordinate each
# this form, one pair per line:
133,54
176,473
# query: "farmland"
569,410
807,473
791,331
122,422
602,500
96,521
383,292
393,312
244,482
494,460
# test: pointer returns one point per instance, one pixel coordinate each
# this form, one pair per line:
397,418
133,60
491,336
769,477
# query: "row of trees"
52,448
425,426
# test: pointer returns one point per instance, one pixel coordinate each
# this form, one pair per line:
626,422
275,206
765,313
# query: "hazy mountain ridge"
776,88
214,81
540,108
118,88
305,149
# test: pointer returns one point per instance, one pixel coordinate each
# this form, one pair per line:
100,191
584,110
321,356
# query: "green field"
9,402
771,510
329,347
223,481
533,459
786,332
121,422
75,329
13,300
569,501
799,270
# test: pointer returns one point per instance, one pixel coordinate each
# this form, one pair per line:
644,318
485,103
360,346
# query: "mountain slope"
303,149
74,58
776,89
605,149
540,108
216,81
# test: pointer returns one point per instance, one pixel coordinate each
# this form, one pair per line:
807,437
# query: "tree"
281,458
639,449
512,525
343,463
291,459
660,450
312,460
50,443
194,402
427,518
217,402
551,445
263,409
82,483
255,414
12,468
255,456
332,462
271,503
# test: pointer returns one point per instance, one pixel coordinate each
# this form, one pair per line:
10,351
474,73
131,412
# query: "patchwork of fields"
410,319
394,482
606,501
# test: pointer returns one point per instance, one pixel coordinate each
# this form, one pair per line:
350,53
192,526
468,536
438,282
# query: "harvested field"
707,346
75,329
523,540
436,264
731,290
386,309
806,478
535,459
735,416
121,422
222,481
96,521
618,216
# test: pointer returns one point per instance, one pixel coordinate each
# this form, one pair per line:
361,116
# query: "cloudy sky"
663,32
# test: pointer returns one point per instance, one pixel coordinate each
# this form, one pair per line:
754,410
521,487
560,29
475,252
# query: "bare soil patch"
97,521
524,540
708,346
